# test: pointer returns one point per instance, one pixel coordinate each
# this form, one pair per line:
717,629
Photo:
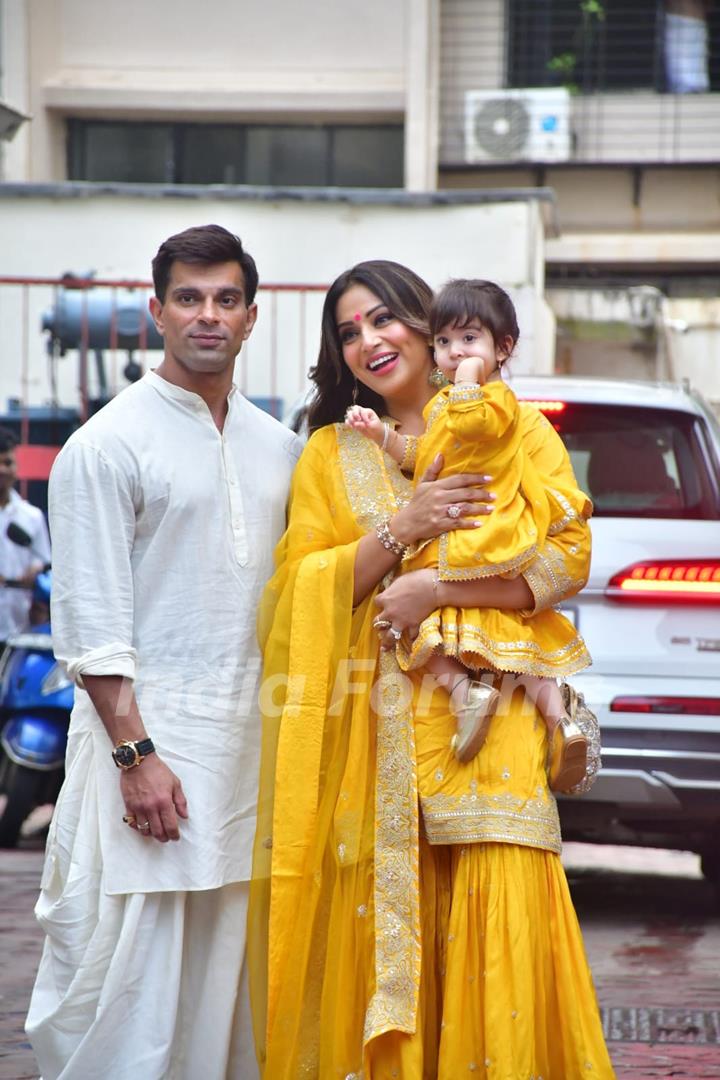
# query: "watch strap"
141,749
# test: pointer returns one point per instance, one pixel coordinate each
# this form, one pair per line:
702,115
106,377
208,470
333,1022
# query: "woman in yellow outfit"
387,941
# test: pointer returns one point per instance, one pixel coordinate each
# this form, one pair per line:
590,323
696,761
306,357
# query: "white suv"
648,454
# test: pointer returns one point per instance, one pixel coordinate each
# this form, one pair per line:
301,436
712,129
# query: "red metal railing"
273,364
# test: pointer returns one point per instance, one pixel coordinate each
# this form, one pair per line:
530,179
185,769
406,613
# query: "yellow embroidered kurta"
373,954
478,429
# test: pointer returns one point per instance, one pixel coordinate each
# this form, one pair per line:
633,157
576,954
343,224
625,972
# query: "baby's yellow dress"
477,430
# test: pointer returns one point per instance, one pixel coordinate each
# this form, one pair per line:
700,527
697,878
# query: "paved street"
652,930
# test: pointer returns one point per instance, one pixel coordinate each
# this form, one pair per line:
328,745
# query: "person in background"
686,46
165,508
18,563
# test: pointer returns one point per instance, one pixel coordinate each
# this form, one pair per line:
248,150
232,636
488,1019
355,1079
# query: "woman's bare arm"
424,517
411,597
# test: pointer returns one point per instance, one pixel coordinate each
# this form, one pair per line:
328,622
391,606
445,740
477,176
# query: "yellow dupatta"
334,922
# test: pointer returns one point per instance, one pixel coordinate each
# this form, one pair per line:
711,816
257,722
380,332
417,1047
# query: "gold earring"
437,379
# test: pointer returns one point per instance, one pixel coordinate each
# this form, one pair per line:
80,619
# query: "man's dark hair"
8,440
203,245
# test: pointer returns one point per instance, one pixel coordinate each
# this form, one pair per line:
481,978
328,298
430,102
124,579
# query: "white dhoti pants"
145,986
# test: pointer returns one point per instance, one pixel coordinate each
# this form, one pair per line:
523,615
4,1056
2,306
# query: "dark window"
362,157
639,462
131,153
212,154
609,45
316,155
288,156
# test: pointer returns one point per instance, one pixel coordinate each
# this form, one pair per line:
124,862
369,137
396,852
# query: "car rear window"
639,462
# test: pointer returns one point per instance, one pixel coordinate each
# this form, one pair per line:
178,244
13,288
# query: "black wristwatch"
127,755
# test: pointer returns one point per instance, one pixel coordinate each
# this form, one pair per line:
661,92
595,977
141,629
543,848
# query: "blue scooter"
36,698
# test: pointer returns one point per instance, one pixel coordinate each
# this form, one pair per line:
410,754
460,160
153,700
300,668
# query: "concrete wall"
675,199
171,58
304,242
638,334
692,343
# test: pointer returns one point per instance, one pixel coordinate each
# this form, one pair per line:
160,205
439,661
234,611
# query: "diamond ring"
454,511
397,634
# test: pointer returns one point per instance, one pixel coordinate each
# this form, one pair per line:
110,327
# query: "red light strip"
673,579
660,588
546,406
638,703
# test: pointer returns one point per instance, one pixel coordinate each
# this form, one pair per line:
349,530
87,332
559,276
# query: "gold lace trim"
522,657
447,572
376,488
397,896
465,392
504,819
549,579
436,408
570,513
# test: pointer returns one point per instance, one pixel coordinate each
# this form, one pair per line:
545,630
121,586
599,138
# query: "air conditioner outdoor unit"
517,125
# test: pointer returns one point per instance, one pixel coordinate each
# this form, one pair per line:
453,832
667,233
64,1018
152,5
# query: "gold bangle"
407,462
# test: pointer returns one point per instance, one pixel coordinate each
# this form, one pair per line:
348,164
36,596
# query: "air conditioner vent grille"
517,125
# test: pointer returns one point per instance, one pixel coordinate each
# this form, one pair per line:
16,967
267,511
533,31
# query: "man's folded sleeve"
92,524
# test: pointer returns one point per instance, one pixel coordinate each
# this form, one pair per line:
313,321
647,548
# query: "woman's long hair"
405,295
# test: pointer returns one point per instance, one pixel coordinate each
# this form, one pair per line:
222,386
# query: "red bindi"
356,316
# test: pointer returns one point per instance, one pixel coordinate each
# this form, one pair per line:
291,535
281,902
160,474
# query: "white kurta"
164,530
16,561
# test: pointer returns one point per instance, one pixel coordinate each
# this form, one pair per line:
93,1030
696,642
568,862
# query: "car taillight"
546,406
640,703
663,581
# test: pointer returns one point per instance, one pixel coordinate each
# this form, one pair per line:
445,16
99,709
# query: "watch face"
125,756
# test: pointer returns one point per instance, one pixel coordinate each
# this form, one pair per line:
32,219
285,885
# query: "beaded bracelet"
388,541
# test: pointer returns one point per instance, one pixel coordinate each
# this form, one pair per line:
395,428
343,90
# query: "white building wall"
275,61
472,57
293,242
14,85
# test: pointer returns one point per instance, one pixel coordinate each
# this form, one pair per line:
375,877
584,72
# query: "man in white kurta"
165,508
18,562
